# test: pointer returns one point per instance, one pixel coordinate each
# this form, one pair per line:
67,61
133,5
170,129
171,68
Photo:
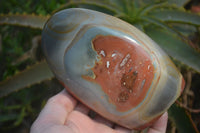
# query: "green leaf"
174,46
94,5
120,4
176,16
8,117
24,20
32,75
170,3
10,107
20,117
179,3
181,119
156,22
184,29
149,7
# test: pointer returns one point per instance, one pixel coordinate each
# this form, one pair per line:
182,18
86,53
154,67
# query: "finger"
82,108
160,125
120,129
57,109
102,120
80,122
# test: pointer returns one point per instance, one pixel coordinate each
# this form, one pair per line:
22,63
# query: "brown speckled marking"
128,80
123,96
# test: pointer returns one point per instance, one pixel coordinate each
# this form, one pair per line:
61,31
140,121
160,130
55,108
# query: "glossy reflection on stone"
111,66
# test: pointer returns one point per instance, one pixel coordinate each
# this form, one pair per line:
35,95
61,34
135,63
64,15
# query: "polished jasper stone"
111,66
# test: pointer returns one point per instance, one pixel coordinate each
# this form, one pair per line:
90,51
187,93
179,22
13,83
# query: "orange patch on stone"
124,72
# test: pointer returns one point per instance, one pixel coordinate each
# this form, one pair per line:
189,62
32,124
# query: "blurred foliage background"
173,23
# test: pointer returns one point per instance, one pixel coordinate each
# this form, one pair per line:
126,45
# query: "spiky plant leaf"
175,47
93,5
8,117
184,29
25,20
32,75
177,16
120,4
181,119
179,3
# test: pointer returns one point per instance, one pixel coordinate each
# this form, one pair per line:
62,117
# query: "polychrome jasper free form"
111,66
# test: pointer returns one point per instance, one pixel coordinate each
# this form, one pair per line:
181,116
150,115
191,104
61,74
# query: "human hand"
62,114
